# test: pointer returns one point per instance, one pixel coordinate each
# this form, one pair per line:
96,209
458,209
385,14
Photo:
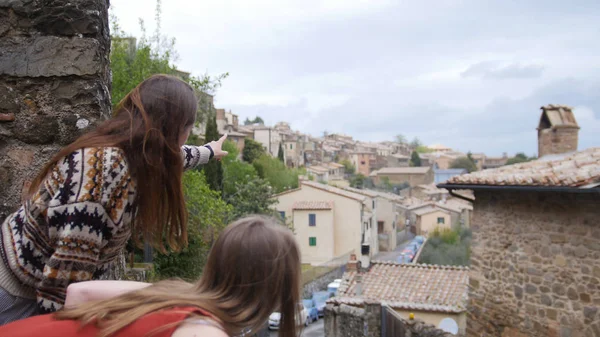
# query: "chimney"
352,264
558,131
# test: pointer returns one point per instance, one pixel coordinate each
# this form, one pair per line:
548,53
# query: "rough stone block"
37,130
46,56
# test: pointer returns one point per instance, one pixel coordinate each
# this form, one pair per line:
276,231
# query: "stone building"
54,84
430,293
536,247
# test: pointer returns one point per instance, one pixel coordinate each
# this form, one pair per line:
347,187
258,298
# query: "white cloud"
377,68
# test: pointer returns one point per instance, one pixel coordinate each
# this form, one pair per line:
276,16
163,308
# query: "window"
312,241
312,220
373,204
290,146
380,227
441,220
282,214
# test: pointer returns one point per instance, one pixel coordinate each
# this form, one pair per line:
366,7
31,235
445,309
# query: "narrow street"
393,255
313,330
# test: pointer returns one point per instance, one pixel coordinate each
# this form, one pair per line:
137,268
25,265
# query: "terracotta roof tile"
404,170
368,193
313,205
409,286
568,170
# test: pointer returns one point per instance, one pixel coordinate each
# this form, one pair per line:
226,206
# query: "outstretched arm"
82,292
193,156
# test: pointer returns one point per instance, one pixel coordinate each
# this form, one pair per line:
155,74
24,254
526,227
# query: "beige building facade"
352,224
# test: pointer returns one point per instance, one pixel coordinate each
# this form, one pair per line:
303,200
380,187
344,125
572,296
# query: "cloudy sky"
469,74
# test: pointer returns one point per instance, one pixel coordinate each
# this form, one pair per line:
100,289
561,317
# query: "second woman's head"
254,269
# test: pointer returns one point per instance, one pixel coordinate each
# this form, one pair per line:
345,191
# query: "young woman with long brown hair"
121,179
252,270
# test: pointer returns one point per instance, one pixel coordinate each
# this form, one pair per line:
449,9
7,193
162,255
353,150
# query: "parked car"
420,239
319,298
404,259
332,287
313,312
275,318
414,246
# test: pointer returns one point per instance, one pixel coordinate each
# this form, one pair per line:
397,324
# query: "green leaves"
276,173
415,159
213,170
252,151
208,214
464,163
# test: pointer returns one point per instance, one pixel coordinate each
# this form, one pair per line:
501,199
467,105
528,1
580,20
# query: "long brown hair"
147,125
253,269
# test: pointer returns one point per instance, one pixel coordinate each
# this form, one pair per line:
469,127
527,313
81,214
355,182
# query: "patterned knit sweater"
74,226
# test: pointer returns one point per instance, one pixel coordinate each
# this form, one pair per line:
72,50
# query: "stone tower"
54,84
558,131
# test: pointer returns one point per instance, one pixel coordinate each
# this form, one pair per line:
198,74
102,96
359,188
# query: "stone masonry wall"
535,265
558,140
350,321
54,83
321,282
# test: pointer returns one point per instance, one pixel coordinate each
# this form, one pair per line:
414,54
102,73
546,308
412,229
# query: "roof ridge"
421,265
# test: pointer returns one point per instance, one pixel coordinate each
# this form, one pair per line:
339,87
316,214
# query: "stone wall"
535,266
557,140
320,283
54,83
349,321
343,320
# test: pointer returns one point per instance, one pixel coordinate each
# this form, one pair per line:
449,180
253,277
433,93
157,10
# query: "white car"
275,318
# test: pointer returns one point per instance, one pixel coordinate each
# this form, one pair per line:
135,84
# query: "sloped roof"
568,170
408,286
429,209
313,205
368,193
334,190
404,170
318,169
334,165
554,116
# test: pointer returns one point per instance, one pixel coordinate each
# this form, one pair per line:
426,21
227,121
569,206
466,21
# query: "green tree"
348,167
213,170
358,181
415,159
207,216
132,62
422,149
280,155
415,143
234,170
519,158
256,120
252,197
386,184
252,151
464,163
401,139
276,173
